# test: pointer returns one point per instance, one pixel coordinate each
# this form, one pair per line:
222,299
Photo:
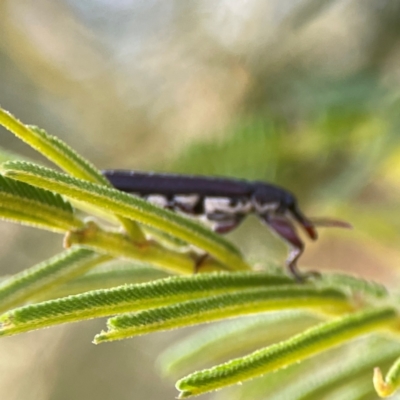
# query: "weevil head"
272,201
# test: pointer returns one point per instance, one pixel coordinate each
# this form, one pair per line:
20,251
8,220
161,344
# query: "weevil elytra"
225,202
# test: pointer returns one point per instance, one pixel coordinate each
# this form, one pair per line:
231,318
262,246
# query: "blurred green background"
302,93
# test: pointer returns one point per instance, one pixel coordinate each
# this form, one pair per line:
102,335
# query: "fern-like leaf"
112,274
62,155
129,207
346,369
320,376
182,301
299,347
220,341
226,305
126,298
52,148
24,203
40,278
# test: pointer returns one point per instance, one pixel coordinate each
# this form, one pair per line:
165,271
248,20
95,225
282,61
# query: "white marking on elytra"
224,205
186,200
157,200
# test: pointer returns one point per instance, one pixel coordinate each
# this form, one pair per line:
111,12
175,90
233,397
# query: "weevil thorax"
268,199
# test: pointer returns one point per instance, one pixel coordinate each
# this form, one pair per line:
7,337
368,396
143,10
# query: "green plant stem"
119,245
28,212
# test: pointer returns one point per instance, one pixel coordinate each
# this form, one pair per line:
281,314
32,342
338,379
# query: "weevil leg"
221,227
285,230
225,223
227,226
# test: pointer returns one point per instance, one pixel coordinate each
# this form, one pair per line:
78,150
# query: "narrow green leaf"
310,378
62,155
127,298
34,281
29,205
222,306
130,207
29,192
52,148
278,384
65,157
343,369
104,277
19,216
295,349
226,339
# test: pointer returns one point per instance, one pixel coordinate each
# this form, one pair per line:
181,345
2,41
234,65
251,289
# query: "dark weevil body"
224,202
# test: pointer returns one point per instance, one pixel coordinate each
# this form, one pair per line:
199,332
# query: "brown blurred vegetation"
304,94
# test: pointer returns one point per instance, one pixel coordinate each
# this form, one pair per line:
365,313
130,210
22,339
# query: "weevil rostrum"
225,202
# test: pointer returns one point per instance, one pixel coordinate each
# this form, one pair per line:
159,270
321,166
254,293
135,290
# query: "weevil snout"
306,224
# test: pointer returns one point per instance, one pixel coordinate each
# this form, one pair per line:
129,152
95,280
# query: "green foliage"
40,278
52,148
342,372
213,344
75,285
279,355
60,154
108,275
226,305
94,304
23,203
127,206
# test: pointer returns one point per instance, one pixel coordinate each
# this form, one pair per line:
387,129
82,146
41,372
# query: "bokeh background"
302,93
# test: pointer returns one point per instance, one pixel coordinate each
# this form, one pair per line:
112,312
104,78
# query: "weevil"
225,202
